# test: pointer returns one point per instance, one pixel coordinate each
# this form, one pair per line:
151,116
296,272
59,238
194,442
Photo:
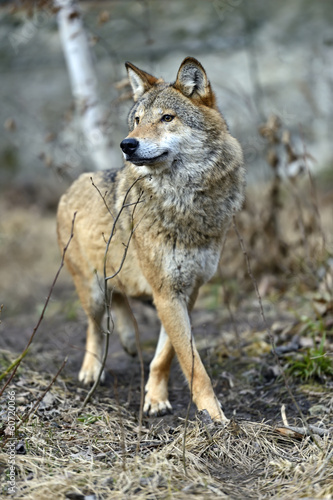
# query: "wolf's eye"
137,120
167,118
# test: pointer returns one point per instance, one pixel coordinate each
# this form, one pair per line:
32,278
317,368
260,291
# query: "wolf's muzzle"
129,146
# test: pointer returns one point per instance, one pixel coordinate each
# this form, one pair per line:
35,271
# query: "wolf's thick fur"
182,181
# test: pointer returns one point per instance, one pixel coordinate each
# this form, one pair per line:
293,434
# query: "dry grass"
97,453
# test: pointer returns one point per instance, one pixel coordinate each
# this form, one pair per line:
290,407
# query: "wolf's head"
171,123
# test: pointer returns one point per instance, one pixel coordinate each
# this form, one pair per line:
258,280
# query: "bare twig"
188,408
121,425
284,416
142,374
107,298
303,431
301,225
231,314
102,196
107,278
17,363
124,205
269,331
35,406
313,190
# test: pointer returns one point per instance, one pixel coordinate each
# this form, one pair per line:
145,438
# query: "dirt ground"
235,345
241,365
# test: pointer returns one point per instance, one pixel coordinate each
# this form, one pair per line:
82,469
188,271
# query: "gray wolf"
181,183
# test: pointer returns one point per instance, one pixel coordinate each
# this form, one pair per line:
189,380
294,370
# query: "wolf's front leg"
156,399
174,316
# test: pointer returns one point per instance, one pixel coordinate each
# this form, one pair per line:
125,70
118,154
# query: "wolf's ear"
192,81
140,80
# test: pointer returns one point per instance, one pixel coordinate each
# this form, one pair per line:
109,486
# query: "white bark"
83,81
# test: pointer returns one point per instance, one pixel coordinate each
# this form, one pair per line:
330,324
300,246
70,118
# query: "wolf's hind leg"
94,351
93,304
156,399
124,323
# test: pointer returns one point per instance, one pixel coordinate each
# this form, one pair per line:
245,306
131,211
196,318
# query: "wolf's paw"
211,409
157,408
89,373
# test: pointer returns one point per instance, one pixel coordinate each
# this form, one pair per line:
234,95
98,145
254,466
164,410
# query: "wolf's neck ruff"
175,217
181,204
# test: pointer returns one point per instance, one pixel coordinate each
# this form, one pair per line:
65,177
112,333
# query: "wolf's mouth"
140,161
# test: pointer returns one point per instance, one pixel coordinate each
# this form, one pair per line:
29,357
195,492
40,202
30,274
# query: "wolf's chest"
188,268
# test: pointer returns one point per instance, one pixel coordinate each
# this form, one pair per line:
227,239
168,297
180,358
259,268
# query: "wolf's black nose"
129,145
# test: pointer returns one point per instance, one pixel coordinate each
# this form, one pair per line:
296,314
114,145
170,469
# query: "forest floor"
107,450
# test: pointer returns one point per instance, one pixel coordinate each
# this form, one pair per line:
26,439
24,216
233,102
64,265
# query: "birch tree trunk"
83,81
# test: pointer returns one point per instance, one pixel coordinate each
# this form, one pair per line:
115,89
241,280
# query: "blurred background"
262,58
